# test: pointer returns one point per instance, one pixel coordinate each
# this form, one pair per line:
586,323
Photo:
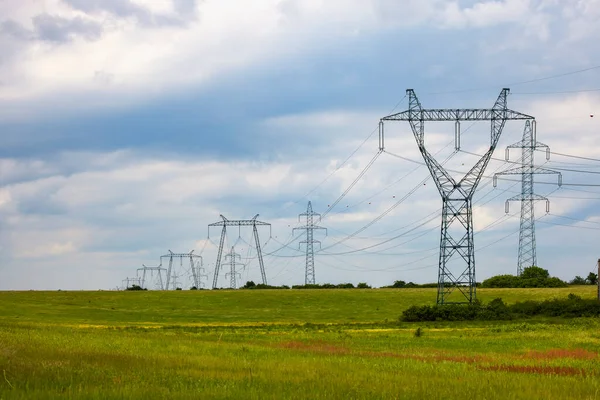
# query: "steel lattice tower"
254,223
190,258
310,227
528,145
158,269
457,197
233,274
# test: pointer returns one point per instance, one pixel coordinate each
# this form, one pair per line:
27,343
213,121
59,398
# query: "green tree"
592,278
578,281
135,288
363,285
249,285
501,281
535,272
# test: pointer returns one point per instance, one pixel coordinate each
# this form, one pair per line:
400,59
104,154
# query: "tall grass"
183,345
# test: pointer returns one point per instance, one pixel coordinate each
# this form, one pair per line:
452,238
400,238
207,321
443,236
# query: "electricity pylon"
190,258
457,197
200,274
310,227
527,243
129,282
239,223
233,274
145,269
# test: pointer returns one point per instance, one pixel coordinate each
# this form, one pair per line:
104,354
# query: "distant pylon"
158,269
254,223
527,243
310,227
233,274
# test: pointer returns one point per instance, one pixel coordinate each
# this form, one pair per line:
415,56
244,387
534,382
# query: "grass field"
282,344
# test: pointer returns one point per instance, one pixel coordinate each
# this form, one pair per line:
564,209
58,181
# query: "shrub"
249,285
135,288
363,285
592,278
410,285
571,307
501,281
535,272
325,286
532,277
578,281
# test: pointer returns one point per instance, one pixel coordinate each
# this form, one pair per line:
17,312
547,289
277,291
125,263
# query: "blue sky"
128,126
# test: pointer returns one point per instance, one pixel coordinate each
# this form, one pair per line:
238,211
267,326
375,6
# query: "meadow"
286,344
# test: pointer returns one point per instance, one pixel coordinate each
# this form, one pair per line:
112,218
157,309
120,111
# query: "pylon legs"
456,242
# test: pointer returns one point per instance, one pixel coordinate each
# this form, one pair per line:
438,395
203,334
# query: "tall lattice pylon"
528,145
190,260
310,227
254,223
233,257
146,269
457,197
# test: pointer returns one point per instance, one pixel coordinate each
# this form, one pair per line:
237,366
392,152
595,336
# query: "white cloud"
143,60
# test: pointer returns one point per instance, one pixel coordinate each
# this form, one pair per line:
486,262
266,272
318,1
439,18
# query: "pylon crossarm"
240,223
528,170
446,115
308,227
524,197
522,144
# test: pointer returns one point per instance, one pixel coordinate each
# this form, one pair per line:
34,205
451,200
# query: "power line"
347,158
574,219
575,156
349,188
571,226
555,76
519,83
558,92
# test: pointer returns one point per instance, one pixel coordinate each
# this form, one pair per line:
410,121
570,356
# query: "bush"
410,285
326,286
578,281
571,307
135,288
592,278
532,277
501,281
251,285
535,272
363,285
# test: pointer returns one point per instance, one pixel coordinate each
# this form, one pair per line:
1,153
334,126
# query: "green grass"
286,344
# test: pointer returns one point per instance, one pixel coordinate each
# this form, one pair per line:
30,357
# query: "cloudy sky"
128,126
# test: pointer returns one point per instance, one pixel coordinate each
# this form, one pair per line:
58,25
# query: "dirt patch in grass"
530,369
434,357
554,354
318,346
328,348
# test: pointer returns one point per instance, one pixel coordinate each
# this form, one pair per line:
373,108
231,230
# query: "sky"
128,126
